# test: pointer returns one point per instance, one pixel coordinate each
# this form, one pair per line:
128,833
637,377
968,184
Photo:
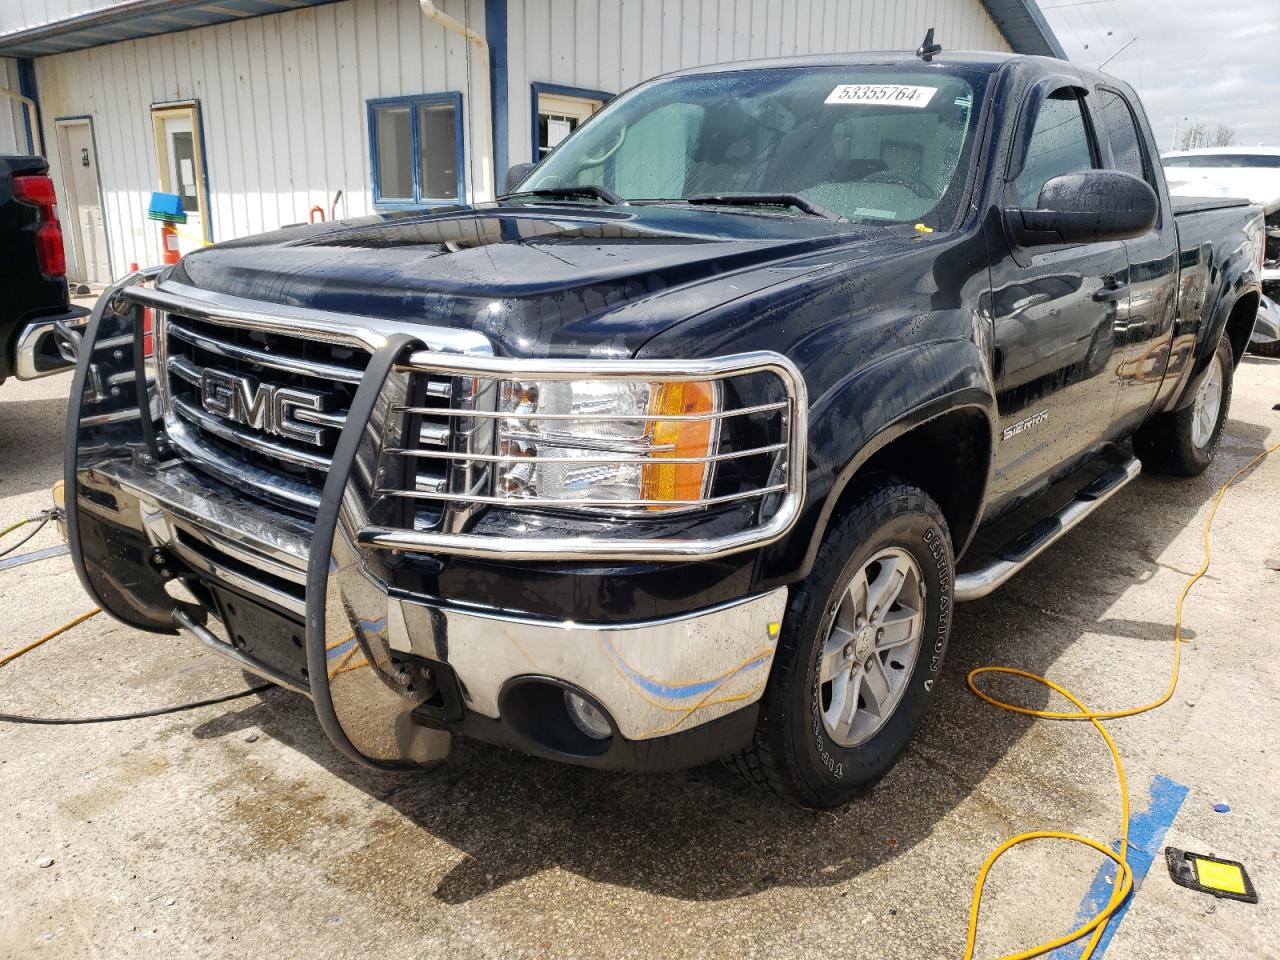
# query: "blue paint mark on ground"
1146,838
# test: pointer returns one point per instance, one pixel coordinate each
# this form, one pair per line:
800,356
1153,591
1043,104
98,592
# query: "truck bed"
1187,205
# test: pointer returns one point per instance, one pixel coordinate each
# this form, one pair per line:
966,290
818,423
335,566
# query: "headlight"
601,442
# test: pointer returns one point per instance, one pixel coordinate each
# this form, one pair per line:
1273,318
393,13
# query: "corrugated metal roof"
1025,27
1019,20
134,19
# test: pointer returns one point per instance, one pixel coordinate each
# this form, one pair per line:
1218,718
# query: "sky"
1216,60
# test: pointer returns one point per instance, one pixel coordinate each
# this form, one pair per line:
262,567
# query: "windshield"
873,144
1224,160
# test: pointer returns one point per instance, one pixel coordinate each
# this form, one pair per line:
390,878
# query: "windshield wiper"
603,194
766,200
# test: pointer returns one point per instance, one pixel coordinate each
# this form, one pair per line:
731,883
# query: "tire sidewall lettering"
937,546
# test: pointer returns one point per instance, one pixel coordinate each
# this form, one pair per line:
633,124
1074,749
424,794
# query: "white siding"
283,108
13,131
610,45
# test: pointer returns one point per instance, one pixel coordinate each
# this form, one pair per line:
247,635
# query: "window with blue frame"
415,146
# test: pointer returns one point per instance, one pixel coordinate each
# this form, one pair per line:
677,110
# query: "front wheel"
1182,442
860,653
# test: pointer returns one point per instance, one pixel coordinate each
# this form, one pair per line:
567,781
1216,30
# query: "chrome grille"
258,409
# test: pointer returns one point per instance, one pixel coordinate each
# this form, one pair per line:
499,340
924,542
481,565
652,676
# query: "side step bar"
1020,551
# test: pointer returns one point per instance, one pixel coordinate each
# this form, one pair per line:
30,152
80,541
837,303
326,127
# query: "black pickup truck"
35,285
672,452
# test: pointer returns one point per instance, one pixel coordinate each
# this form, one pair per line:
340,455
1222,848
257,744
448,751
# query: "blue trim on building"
102,199
537,87
453,97
27,87
495,35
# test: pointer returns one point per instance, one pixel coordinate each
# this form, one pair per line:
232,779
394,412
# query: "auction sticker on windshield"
885,94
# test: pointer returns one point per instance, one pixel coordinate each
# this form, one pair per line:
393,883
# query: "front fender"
863,413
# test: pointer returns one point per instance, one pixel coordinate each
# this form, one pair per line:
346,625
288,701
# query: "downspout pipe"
481,184
33,121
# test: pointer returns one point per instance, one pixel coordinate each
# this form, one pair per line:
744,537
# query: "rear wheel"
1183,442
1271,349
862,646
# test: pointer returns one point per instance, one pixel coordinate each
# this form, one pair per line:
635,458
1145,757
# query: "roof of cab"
983,58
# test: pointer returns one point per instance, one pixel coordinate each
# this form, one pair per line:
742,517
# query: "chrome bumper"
38,351
654,677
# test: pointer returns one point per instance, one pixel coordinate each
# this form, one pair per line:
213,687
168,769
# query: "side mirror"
1087,207
515,175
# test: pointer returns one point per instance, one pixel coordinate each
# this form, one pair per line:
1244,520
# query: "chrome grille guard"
779,498
452,448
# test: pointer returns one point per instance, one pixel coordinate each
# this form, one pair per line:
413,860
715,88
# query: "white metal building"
258,113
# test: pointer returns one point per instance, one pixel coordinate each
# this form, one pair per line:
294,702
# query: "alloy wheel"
871,649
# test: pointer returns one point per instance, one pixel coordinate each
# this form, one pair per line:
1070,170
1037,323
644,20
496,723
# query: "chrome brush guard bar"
780,497
463,446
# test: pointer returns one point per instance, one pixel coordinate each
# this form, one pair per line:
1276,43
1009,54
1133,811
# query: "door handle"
1111,293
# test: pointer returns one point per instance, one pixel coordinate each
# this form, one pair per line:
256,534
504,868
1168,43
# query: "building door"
180,160
82,201
558,116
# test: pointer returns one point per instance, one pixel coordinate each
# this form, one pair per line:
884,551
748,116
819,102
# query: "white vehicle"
1252,172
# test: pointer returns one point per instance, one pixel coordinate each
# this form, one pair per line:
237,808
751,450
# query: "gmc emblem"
261,406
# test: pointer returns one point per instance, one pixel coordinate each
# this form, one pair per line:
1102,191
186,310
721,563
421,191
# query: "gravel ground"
238,830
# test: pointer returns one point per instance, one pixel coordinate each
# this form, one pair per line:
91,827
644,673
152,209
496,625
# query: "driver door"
1054,310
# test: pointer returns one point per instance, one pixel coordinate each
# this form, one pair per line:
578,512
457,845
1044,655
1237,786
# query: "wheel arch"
1240,321
957,430
945,451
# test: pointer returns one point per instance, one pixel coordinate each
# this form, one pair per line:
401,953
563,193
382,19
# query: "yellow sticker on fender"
882,94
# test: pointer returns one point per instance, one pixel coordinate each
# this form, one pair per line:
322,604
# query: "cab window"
1059,144
1117,125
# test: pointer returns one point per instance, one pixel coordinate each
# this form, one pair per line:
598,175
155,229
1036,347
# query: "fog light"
586,717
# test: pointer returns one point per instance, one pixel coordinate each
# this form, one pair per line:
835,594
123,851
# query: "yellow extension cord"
10,657
14,526
1124,879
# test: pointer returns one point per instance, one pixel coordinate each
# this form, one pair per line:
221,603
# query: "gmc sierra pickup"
35,286
669,453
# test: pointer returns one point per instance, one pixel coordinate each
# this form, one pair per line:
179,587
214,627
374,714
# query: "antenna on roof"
928,48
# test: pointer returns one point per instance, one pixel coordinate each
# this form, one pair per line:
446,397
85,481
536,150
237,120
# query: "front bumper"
392,672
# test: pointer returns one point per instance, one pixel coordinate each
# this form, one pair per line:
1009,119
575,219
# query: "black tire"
1271,349
1166,443
792,754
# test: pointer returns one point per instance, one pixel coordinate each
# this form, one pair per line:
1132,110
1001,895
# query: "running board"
1020,551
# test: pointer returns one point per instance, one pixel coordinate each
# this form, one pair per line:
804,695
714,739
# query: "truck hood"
536,279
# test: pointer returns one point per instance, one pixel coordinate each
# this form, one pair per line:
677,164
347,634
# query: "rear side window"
1059,144
1116,123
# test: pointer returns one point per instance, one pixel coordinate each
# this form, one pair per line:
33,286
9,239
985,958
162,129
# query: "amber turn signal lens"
678,440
